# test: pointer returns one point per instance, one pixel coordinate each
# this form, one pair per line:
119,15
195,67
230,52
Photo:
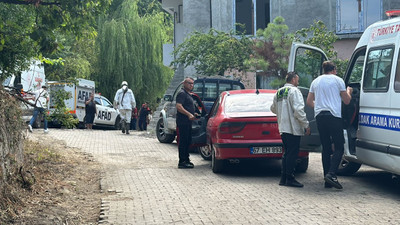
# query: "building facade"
347,18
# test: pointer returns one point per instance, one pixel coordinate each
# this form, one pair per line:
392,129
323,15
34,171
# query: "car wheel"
205,152
161,135
302,165
217,165
347,168
117,125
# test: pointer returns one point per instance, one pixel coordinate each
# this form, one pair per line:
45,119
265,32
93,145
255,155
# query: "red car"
241,126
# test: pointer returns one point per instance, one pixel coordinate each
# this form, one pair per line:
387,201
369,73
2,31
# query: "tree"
318,35
214,52
130,49
272,48
28,28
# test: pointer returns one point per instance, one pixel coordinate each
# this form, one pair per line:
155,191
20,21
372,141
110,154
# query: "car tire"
161,135
302,165
217,165
205,152
347,168
117,125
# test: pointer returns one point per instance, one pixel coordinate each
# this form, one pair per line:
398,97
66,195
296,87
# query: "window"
354,16
248,103
106,102
224,87
198,89
210,90
97,100
251,15
377,72
308,65
397,79
356,66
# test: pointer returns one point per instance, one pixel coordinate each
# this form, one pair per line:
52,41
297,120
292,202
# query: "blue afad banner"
380,121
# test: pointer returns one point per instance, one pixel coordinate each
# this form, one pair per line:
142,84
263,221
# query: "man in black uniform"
185,114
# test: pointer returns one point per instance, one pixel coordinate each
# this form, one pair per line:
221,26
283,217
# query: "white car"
106,115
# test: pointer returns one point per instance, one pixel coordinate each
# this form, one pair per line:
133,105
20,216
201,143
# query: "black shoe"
293,183
185,165
282,182
332,180
190,163
327,185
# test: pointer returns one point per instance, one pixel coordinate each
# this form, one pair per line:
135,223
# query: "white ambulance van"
372,119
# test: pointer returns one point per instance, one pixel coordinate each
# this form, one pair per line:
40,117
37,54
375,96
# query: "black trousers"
291,145
185,140
330,130
142,124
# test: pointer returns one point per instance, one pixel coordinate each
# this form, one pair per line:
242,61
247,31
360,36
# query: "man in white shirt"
326,95
288,105
125,101
41,99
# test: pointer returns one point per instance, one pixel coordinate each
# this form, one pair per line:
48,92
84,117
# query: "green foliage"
319,36
30,31
272,48
130,49
16,47
214,52
78,58
61,113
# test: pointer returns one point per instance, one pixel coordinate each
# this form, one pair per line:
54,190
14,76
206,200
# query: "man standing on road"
185,115
41,99
288,105
326,94
125,101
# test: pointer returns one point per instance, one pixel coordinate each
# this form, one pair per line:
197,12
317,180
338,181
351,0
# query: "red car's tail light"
229,128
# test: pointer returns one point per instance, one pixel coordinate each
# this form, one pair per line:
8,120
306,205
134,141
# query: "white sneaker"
46,131
30,128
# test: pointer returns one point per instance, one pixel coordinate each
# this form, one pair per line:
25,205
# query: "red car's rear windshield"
248,103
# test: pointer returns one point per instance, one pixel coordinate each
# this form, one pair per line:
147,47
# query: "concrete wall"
222,15
301,14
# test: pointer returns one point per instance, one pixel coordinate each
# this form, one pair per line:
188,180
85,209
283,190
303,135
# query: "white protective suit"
125,101
291,118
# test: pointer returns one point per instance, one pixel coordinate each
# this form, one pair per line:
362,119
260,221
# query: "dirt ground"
65,189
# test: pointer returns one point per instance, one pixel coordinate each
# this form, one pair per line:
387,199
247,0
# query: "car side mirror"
168,98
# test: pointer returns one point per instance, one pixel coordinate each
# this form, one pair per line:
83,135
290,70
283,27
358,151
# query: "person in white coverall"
125,101
288,105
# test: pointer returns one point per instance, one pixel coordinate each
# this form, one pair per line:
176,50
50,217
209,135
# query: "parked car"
209,88
107,115
198,126
205,90
241,126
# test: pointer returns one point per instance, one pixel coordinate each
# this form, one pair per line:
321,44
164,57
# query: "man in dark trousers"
185,115
326,95
143,113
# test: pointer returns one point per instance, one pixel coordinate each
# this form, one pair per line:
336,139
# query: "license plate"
266,150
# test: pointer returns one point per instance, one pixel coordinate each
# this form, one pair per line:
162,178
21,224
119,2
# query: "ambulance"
79,93
372,119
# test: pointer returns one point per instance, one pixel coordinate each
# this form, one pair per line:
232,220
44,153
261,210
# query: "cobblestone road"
146,187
